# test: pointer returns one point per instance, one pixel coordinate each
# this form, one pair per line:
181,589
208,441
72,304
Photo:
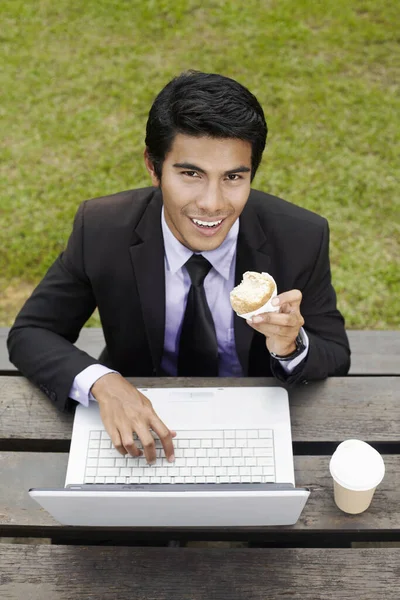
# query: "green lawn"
78,79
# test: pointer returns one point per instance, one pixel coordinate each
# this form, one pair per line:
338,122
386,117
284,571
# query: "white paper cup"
357,469
268,307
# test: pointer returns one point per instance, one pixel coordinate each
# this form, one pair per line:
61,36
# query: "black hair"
204,104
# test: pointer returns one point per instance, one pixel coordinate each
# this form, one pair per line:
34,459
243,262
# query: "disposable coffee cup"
357,469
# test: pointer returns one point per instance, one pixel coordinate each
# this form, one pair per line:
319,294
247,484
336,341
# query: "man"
139,256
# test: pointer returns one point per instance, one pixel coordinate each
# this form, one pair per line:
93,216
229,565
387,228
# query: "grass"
78,79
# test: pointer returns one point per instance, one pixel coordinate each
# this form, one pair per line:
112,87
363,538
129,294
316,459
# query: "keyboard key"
252,433
91,462
261,443
125,472
215,462
105,436
106,462
208,471
241,443
106,471
218,443
120,479
89,479
201,479
206,443
265,433
91,472
250,462
194,443
166,479
264,452
264,461
105,444
99,479
229,434
190,479
224,479
110,479
191,462
239,462
203,462
94,435
249,451
234,479
256,479
196,471
221,471
203,452
94,444
189,453
235,452
145,479
179,479
223,452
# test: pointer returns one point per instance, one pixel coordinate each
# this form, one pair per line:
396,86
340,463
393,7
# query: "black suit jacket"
114,260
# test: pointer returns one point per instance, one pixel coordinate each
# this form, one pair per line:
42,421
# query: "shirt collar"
221,258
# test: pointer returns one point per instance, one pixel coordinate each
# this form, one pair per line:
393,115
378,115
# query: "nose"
212,199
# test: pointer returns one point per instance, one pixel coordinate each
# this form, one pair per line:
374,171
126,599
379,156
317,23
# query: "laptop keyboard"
220,456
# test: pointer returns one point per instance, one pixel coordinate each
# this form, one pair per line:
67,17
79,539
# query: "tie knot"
197,267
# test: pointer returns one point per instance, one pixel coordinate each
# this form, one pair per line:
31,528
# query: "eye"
234,177
190,173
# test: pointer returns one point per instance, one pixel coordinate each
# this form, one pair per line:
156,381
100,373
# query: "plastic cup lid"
357,466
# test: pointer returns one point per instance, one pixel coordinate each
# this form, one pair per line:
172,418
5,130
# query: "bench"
319,557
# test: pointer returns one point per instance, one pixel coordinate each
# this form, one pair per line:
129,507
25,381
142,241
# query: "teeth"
206,223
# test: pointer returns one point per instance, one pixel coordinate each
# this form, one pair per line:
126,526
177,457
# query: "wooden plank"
106,573
331,410
373,352
23,470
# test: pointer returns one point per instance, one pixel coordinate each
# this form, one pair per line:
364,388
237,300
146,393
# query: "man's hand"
281,328
125,410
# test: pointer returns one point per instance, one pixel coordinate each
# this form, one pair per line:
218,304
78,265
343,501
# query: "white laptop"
233,467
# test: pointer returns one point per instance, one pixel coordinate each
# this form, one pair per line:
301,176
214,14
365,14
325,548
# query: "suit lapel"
252,255
147,256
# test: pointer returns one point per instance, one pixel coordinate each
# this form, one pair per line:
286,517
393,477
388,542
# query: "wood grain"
327,411
106,573
21,471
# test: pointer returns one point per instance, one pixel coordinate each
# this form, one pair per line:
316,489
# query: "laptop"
233,467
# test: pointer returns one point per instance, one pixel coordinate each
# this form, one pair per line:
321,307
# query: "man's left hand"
281,328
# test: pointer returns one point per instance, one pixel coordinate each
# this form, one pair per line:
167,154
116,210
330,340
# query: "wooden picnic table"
315,558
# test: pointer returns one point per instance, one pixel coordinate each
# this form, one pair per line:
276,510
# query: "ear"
150,168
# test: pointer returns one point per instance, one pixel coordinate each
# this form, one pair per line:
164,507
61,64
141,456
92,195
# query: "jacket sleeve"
329,351
41,340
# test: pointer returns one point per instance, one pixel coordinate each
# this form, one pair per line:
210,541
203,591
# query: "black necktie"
198,348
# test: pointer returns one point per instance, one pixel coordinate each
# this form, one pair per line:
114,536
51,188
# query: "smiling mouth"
207,224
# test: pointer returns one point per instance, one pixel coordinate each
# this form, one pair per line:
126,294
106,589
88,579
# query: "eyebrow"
190,167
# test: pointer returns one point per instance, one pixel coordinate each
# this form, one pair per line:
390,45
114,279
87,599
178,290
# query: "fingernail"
275,302
171,458
257,319
153,462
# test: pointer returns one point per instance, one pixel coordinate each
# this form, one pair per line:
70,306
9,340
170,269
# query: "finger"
165,436
148,444
116,441
292,297
289,318
128,442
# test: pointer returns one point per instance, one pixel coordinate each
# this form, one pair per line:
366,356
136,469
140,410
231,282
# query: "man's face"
205,186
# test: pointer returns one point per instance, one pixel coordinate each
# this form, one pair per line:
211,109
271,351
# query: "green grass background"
78,78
